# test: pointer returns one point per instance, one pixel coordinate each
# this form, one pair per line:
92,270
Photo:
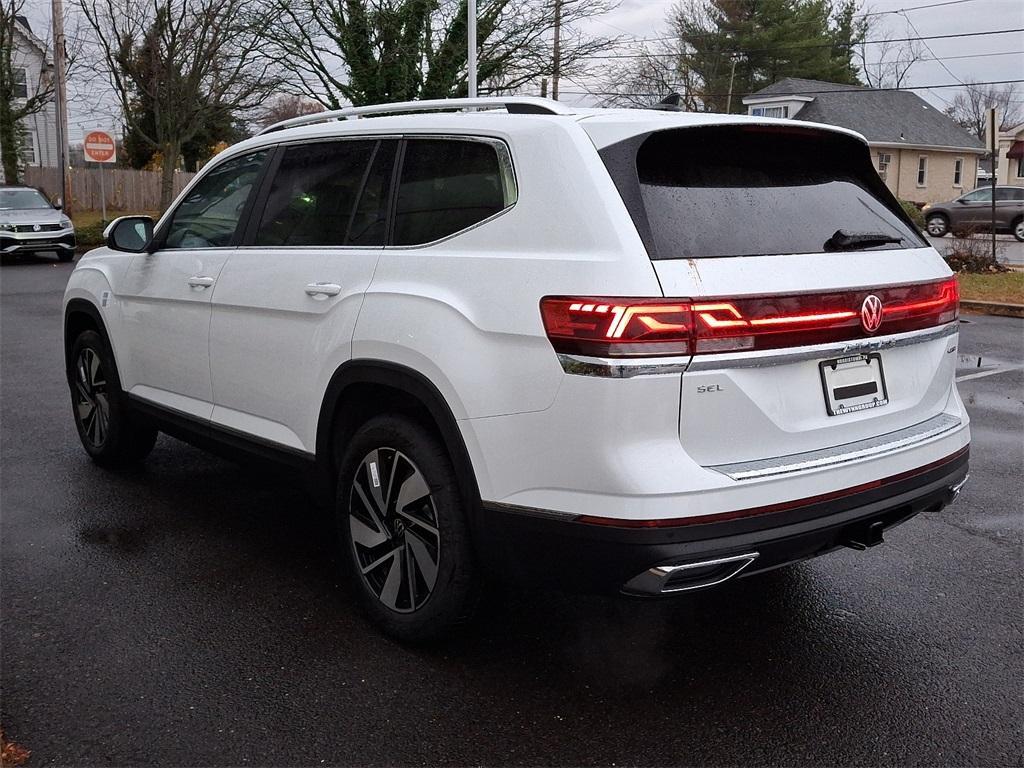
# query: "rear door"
794,255
165,295
1009,205
287,300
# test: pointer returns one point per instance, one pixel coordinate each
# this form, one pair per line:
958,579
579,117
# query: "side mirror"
58,204
131,234
962,201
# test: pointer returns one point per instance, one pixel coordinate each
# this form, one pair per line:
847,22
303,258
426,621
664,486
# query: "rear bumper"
643,557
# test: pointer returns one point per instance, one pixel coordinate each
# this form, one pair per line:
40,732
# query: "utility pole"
732,76
471,53
557,68
61,99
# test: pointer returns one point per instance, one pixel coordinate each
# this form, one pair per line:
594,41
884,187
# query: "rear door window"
448,185
752,190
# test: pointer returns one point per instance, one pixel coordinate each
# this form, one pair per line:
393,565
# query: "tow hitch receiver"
864,535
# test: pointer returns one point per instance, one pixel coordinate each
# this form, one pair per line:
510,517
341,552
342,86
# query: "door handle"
201,281
323,289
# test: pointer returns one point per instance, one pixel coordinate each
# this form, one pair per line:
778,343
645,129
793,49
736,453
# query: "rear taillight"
629,327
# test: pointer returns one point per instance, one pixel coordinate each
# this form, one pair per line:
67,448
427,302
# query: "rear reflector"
625,327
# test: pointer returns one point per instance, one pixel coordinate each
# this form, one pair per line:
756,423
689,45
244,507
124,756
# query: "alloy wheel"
92,403
936,226
1018,230
394,530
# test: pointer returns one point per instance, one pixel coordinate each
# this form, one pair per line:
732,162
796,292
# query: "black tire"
1017,228
377,537
937,225
110,433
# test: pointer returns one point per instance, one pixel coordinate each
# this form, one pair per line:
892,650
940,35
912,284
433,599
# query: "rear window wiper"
842,240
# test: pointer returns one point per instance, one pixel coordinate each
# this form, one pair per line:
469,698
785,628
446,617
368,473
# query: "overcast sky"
646,18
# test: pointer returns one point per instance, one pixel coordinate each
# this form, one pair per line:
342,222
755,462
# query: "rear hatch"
819,315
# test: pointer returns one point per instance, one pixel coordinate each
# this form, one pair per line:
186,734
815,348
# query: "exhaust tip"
685,577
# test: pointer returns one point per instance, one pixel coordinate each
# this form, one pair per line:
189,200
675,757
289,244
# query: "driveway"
191,613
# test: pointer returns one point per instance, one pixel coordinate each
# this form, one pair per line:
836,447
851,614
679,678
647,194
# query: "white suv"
639,351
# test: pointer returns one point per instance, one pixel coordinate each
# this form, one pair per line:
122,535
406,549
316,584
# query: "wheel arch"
360,389
82,315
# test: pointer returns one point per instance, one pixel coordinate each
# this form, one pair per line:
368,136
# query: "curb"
992,308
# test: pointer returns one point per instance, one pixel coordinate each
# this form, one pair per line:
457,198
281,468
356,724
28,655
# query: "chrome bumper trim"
861,449
771,357
621,368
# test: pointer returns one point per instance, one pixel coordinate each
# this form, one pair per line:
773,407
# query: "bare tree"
285,107
177,66
377,51
885,64
970,106
650,74
19,98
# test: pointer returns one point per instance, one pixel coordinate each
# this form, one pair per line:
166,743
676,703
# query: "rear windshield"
753,190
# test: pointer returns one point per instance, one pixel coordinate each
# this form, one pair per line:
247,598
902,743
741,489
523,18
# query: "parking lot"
189,613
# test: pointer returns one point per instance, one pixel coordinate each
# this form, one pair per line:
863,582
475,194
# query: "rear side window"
448,185
1009,193
314,193
752,190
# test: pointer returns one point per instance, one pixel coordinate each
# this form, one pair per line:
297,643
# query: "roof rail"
520,105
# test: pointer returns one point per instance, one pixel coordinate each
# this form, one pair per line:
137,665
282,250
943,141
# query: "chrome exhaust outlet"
955,489
669,579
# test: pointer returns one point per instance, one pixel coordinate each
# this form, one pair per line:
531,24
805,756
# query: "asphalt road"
189,613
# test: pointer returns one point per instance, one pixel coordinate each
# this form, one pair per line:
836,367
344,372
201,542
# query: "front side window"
922,171
209,216
958,172
314,193
978,196
448,185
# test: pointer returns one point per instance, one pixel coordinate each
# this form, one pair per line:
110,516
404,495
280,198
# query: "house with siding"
921,154
33,65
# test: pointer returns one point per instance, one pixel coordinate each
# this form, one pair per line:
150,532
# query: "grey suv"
30,224
973,211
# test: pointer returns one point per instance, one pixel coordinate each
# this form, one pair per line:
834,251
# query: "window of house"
29,149
884,161
770,111
20,83
448,185
958,172
1020,167
922,170
314,193
209,215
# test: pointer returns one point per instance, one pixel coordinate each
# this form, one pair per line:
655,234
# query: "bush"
90,235
972,254
915,213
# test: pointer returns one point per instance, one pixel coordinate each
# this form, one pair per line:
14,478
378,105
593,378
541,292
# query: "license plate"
853,383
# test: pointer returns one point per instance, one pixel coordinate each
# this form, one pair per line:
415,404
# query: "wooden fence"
126,190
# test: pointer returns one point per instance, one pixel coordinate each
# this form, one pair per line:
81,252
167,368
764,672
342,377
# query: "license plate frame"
853,383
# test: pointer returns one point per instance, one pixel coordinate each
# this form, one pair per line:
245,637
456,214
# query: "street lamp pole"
471,42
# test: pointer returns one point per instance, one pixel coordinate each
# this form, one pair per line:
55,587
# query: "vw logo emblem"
36,227
871,313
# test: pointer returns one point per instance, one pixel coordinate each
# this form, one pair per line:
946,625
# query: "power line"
916,8
806,93
919,38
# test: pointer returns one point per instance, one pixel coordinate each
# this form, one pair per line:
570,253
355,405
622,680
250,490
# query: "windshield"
754,190
21,200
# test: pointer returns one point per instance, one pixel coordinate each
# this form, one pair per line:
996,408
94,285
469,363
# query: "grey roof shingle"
889,117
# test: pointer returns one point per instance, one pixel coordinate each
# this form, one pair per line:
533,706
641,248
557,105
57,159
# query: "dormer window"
770,111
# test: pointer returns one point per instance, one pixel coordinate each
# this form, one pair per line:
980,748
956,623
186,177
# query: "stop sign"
99,147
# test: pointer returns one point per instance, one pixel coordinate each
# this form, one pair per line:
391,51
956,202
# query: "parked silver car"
30,224
973,211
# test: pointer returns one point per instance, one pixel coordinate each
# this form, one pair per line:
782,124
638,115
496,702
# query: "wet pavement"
189,613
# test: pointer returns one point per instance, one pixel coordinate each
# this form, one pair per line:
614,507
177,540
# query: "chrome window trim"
770,357
871,447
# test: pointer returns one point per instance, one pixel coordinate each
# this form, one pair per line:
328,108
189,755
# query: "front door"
285,306
165,302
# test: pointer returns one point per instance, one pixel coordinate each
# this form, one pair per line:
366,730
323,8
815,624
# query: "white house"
1010,165
33,66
